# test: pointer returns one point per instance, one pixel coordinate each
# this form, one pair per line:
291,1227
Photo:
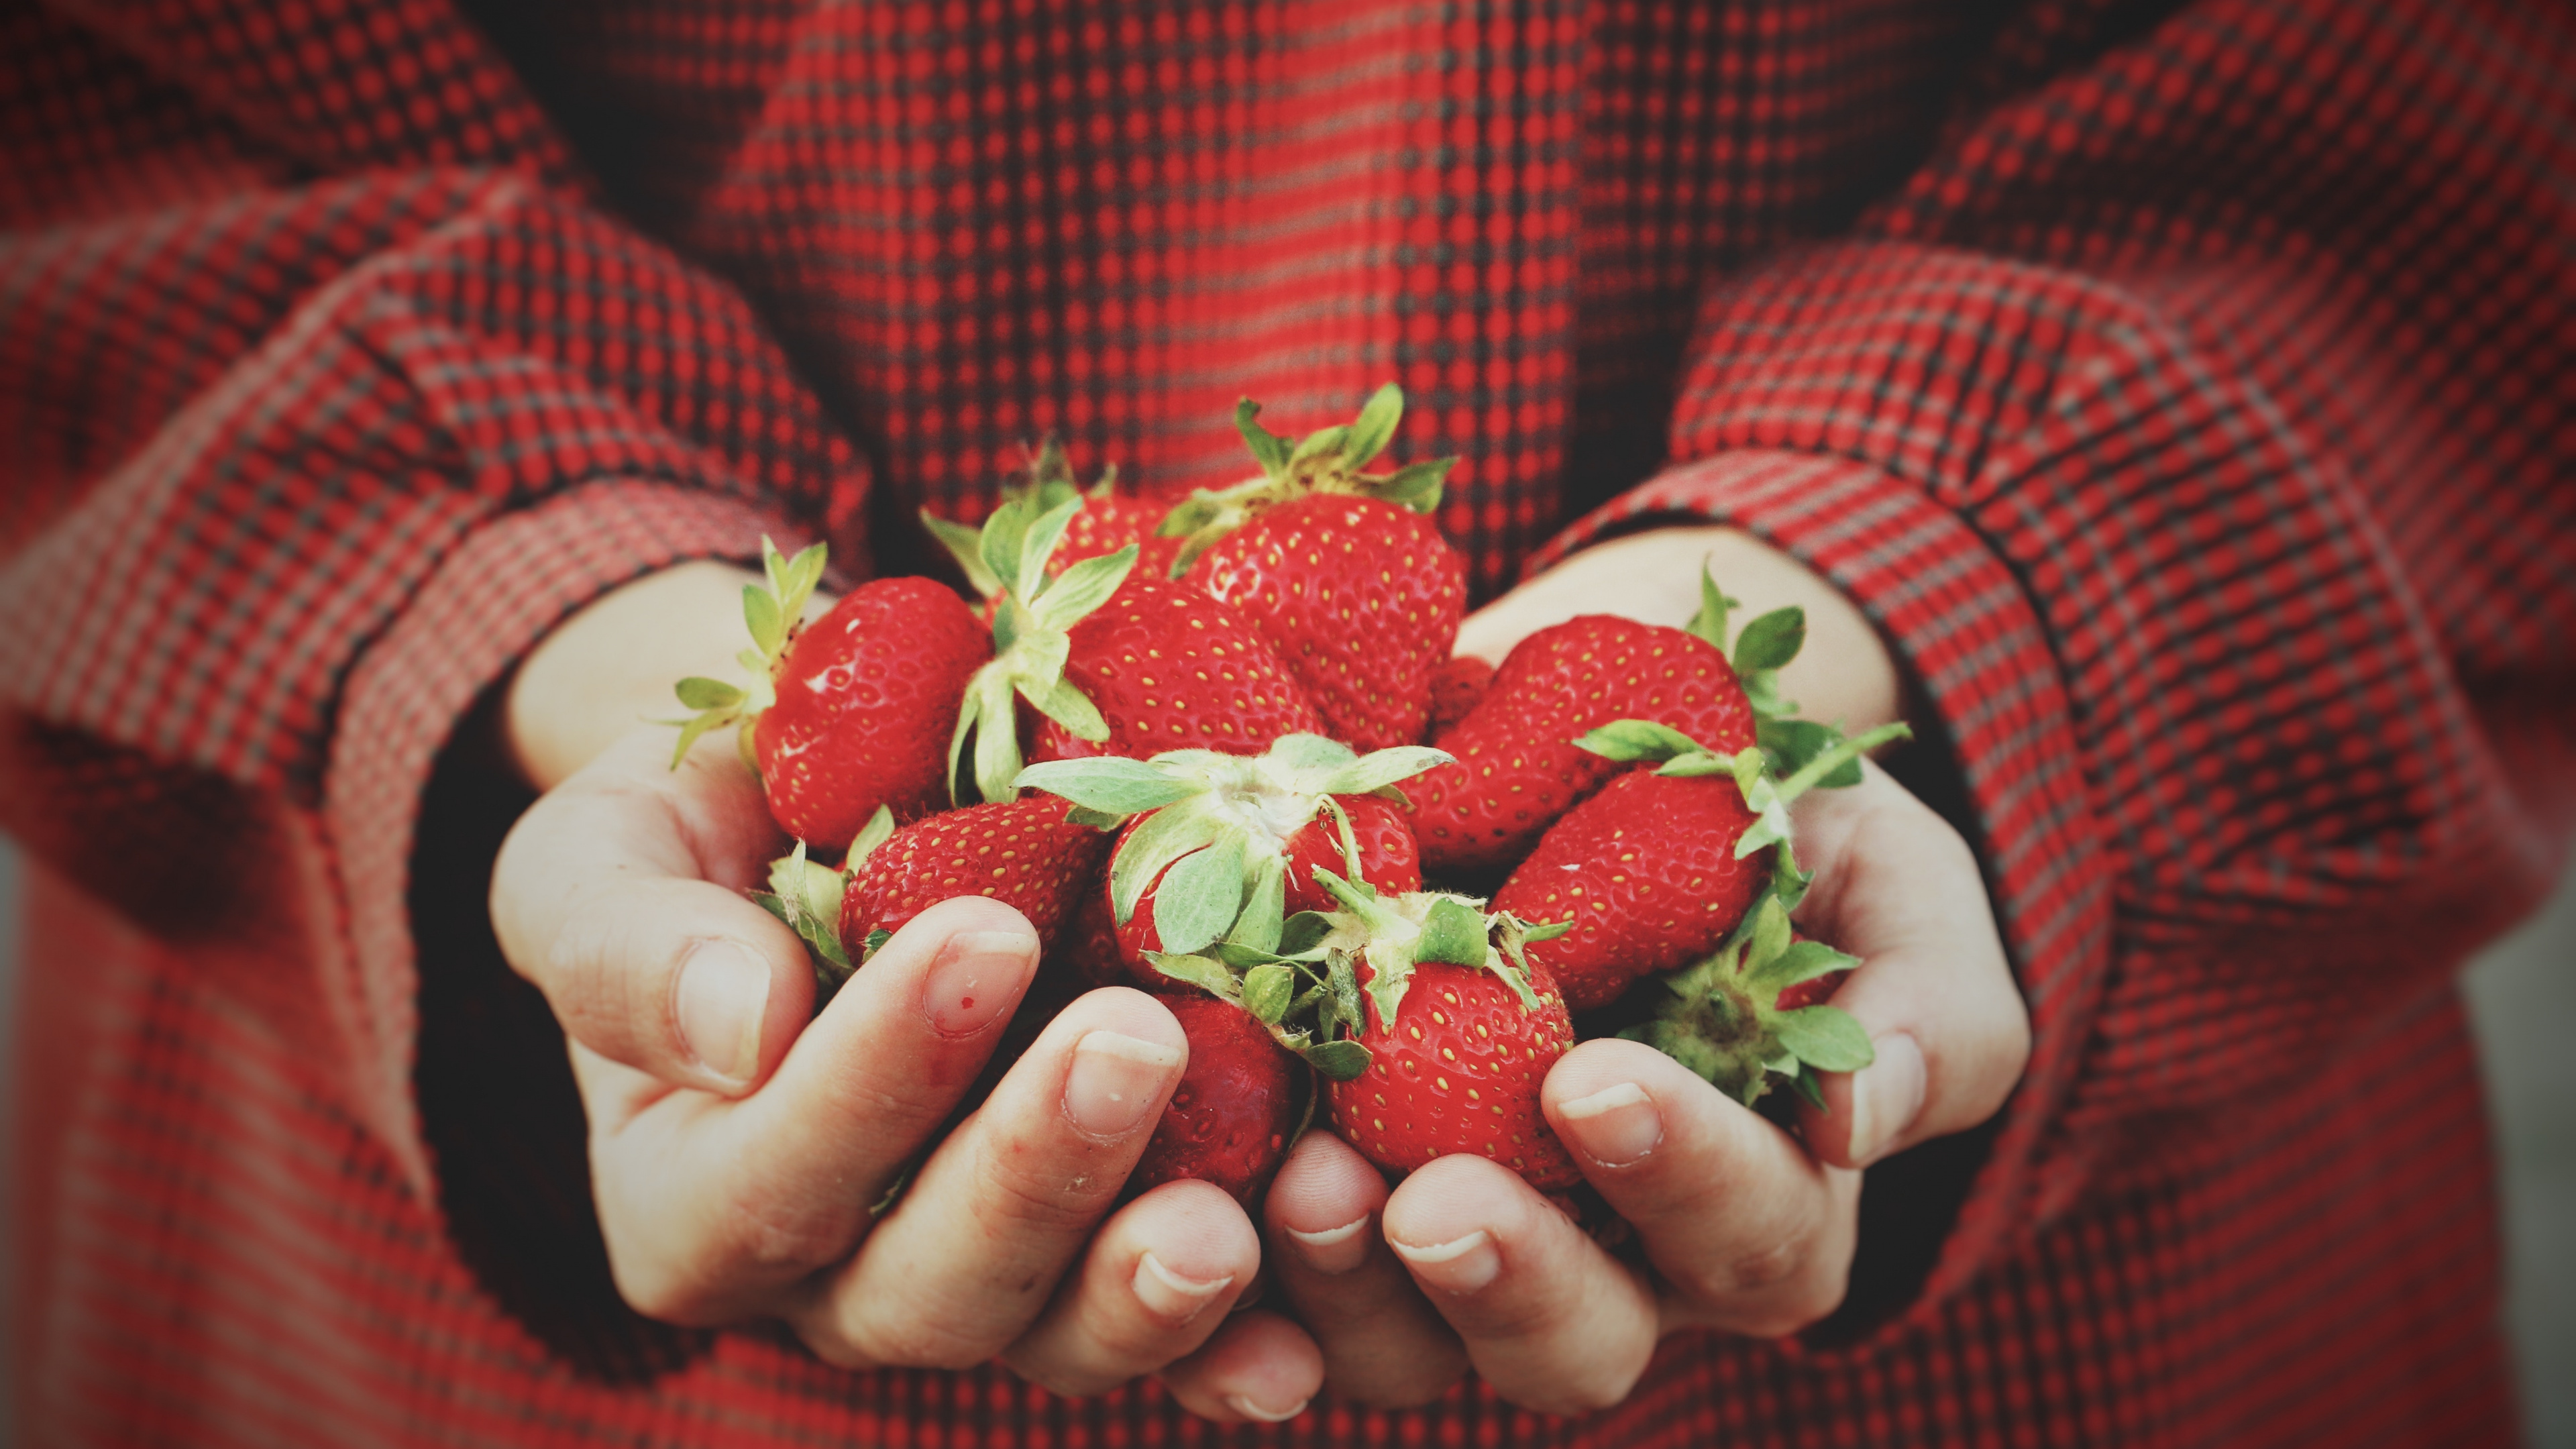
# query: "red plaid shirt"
2184,388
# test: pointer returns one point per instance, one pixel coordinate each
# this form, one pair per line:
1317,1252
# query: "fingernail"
723,996
1886,1095
1614,1126
1461,1265
975,979
1251,1410
1169,1295
1334,1250
1116,1080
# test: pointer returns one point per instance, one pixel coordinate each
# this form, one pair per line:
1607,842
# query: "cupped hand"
1740,1225
743,1147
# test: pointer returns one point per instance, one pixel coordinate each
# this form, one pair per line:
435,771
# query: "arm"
2140,423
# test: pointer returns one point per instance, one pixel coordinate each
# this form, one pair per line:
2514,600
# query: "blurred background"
2522,993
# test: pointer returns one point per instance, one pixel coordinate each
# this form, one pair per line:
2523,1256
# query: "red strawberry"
1647,872
1360,597
1109,522
852,711
1456,686
1459,1071
1456,1050
1387,857
1223,847
1023,853
1230,1118
1168,668
1517,766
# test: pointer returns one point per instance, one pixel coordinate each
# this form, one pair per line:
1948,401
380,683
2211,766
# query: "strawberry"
1660,867
1109,522
850,712
1456,686
1166,667
1230,1119
1518,768
1646,872
1214,843
1341,572
1360,597
1458,1037
1023,853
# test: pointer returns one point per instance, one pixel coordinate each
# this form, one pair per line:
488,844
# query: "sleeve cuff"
1964,627
479,612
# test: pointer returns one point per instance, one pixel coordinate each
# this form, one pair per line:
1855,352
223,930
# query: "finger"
619,894
1750,1233
1157,1281
991,1221
1549,1319
1897,887
1381,1343
1258,1368
713,1208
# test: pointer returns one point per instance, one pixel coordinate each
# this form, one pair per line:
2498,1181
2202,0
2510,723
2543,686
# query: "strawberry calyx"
806,895
1327,460
1771,774
1214,851
772,614
1722,1018
1033,619
1047,482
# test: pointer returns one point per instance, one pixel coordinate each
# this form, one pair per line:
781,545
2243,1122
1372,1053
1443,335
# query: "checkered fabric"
2185,389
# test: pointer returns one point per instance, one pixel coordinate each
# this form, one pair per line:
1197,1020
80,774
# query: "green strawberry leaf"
1003,532
1164,837
1762,691
1303,932
1375,427
1267,446
1084,587
1198,971
1454,932
1417,486
997,737
1323,442
1266,992
1040,541
1639,739
1381,768
1825,1038
699,692
1844,753
1096,819
1341,1061
879,828
966,545
1810,1086
1112,784
760,614
1709,624
1199,897
1771,640
1257,928
1770,935
1793,744
1343,982
1803,961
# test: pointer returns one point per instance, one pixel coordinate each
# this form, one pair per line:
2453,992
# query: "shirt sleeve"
319,413
2195,423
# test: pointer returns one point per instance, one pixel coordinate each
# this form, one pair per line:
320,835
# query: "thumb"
617,895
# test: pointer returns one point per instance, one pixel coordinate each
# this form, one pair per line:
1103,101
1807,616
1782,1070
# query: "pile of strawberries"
1220,751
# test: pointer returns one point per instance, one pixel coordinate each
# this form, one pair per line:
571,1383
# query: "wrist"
610,666
1846,673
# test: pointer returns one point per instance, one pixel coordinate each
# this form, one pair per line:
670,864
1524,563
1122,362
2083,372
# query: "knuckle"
1025,1188
923,1343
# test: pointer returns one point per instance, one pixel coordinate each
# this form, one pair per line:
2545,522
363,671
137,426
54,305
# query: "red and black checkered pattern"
2186,390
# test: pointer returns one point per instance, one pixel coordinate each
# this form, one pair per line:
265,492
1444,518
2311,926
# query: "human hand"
738,1140
1740,1225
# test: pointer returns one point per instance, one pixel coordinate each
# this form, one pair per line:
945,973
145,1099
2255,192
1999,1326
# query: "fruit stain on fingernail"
968,987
